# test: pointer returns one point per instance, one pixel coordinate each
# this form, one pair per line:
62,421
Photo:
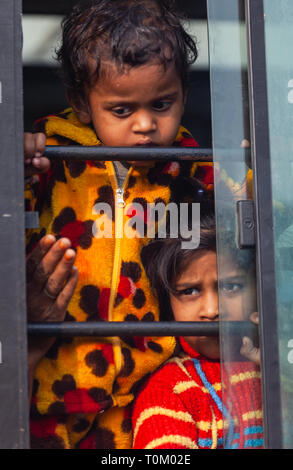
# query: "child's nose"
210,310
144,122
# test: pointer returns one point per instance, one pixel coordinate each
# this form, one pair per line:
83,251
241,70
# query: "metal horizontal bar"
102,153
140,329
128,153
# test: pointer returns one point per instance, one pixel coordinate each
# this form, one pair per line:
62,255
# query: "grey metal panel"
7,9
266,281
13,342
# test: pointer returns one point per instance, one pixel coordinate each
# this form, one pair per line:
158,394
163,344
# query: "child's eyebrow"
117,102
167,96
187,285
124,101
234,277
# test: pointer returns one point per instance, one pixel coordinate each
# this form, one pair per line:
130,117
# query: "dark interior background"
44,93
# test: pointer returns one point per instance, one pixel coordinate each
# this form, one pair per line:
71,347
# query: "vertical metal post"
266,281
13,342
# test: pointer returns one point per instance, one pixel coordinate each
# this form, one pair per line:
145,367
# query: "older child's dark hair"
126,32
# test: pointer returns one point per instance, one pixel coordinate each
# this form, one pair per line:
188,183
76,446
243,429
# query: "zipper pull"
119,197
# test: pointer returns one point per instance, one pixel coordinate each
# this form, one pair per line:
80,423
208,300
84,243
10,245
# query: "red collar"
192,353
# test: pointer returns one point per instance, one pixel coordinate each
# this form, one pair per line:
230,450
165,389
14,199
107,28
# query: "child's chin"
207,346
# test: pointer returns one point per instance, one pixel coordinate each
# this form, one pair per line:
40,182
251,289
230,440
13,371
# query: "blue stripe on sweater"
253,430
230,436
207,442
253,443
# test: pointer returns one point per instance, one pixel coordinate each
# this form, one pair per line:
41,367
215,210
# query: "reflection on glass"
279,40
240,359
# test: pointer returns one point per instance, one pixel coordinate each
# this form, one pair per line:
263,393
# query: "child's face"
141,107
198,297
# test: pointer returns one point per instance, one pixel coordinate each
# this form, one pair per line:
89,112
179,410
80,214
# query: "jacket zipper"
119,212
120,198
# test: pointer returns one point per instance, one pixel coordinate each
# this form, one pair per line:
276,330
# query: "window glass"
279,39
241,375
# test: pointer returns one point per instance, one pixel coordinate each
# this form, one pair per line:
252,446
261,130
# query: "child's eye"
189,291
121,111
231,287
162,105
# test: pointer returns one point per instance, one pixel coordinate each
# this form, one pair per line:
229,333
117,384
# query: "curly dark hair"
123,32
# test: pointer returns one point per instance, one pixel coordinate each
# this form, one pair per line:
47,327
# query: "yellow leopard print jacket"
83,385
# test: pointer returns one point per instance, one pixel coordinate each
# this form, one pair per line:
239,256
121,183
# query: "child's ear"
80,107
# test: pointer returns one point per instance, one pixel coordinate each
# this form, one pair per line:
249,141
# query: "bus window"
241,375
219,116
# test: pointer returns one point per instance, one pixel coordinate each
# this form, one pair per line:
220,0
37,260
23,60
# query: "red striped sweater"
181,405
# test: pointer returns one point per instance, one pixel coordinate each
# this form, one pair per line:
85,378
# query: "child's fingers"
39,165
34,144
40,162
245,143
36,165
34,147
60,275
28,146
254,318
249,351
68,290
55,311
35,257
49,263
40,144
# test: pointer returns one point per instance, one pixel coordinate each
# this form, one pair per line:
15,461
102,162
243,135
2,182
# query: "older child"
181,405
125,67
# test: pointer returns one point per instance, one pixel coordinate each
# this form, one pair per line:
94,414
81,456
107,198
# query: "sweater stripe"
253,430
257,414
206,442
208,386
215,442
172,439
182,387
158,410
254,443
244,376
